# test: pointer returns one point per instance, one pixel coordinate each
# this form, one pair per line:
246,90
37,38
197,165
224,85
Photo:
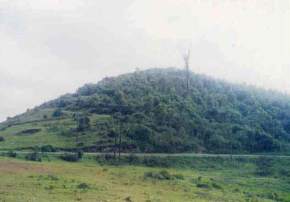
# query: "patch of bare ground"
22,167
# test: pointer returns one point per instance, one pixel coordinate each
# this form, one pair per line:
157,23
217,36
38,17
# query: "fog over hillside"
51,47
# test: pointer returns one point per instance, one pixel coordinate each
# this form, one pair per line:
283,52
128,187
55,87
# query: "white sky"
52,47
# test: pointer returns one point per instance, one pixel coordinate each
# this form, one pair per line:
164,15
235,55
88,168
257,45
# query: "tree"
57,113
118,116
186,58
113,134
83,122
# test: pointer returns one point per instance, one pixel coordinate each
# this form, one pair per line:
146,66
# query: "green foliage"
162,175
72,157
156,162
154,112
80,154
83,186
83,122
34,156
11,154
203,185
216,186
47,148
57,113
29,131
264,166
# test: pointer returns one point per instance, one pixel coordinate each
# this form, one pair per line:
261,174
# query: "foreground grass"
87,181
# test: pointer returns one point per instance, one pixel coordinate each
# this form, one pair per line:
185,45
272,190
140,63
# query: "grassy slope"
54,132
58,181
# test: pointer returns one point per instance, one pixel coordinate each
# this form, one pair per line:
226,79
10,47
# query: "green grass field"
210,179
143,177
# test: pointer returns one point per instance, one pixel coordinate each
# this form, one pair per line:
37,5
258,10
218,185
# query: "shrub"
284,172
162,175
273,196
11,154
47,148
29,131
52,177
149,175
57,113
83,186
80,144
178,176
264,166
236,190
199,178
50,187
80,154
133,159
35,156
2,139
71,157
83,122
128,199
202,185
108,157
216,186
156,162
165,174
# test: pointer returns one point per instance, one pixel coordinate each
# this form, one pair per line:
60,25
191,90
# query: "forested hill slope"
155,112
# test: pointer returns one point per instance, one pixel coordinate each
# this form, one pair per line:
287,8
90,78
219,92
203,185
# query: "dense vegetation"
153,111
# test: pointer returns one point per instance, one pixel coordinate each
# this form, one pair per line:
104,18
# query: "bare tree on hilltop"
186,58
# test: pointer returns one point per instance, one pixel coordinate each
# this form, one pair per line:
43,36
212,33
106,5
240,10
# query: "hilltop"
155,112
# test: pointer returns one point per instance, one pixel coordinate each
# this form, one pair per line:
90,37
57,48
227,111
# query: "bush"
202,185
2,139
47,148
83,186
156,162
29,131
133,159
80,154
83,122
35,156
284,172
264,166
71,157
57,113
108,159
162,175
178,176
11,154
216,186
52,177
80,144
128,199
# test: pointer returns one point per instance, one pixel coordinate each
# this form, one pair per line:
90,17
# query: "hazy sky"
51,47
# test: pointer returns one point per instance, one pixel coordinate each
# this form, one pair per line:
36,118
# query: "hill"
153,111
